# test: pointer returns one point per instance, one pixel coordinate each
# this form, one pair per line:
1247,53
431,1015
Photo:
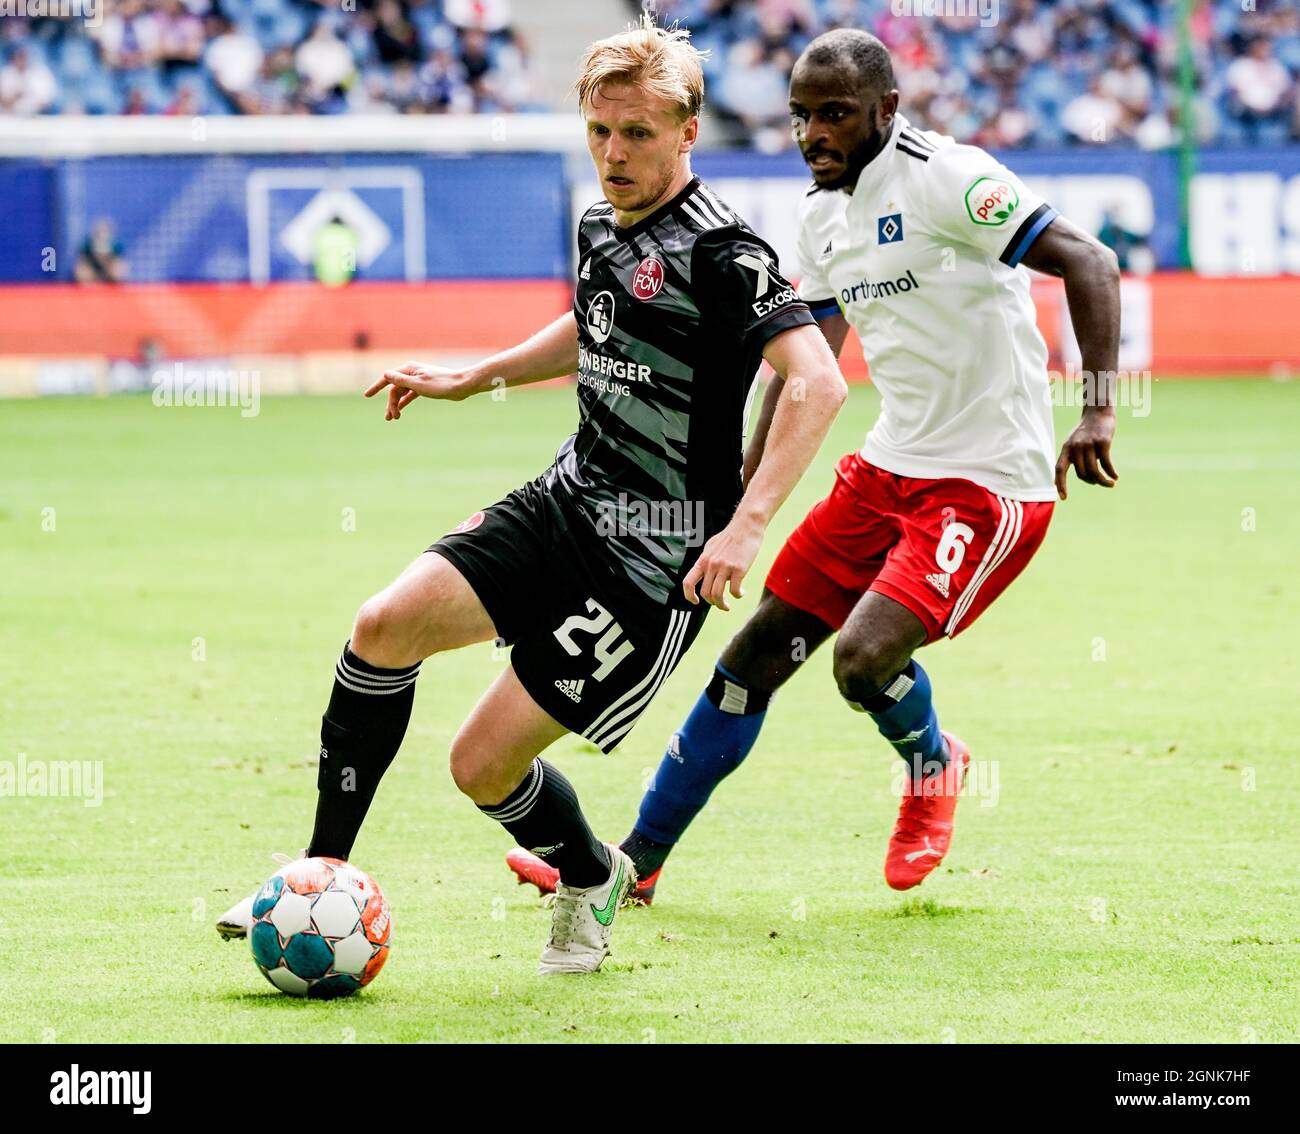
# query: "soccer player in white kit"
916,242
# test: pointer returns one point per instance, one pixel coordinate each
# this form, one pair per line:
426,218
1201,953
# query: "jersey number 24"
606,652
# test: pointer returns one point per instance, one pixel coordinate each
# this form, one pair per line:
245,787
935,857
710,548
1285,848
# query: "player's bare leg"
768,650
876,674
495,760
427,609
875,645
715,738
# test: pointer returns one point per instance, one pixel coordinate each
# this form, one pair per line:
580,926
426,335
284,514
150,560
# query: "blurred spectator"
128,36
395,39
100,258
26,86
334,253
132,375
1127,82
1045,72
180,36
1130,248
1260,88
233,56
1095,117
444,80
185,103
276,88
754,89
1009,126
474,55
479,15
324,63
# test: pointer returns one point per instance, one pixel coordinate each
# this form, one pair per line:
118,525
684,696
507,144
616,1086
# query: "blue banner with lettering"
510,216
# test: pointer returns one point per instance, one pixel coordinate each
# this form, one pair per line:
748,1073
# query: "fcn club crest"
649,278
468,524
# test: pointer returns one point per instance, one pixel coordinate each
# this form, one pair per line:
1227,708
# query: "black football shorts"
590,647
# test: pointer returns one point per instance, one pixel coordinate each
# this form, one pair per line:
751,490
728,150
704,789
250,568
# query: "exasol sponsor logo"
869,289
593,362
76,1087
780,299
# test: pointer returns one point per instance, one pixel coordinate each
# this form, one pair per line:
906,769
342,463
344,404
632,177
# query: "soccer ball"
321,928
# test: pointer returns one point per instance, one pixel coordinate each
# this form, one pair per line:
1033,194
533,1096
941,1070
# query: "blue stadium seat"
100,95
290,28
76,58
269,10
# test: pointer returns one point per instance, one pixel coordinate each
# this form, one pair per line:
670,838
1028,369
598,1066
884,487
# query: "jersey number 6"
605,652
952,546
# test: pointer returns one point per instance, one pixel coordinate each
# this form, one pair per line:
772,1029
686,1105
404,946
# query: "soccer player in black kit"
595,570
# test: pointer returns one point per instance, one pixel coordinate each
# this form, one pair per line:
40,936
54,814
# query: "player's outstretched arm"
812,391
1091,274
551,353
835,328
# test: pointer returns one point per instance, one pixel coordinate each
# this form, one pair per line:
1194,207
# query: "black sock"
360,734
646,854
543,816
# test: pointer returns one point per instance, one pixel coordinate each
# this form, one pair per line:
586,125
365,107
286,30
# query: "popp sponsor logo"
991,201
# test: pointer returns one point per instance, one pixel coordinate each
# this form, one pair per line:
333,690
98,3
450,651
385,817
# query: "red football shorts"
945,549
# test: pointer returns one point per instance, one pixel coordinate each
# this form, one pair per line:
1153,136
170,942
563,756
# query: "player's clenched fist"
1087,451
723,564
414,380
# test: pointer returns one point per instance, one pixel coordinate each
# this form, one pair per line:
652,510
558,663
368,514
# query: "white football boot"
238,920
581,920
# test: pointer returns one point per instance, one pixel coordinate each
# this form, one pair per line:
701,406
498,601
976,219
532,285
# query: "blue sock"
715,739
904,712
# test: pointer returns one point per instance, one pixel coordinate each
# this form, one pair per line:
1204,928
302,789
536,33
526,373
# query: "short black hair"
857,51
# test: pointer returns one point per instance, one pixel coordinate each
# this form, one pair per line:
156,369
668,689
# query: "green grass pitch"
178,582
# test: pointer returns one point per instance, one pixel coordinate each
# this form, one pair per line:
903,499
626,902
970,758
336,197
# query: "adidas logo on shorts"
571,689
940,582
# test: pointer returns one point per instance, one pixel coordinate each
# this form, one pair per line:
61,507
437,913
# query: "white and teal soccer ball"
321,928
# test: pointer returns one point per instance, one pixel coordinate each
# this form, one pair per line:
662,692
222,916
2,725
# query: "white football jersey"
921,258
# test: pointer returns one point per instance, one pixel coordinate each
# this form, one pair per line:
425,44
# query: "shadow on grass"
273,1000
926,907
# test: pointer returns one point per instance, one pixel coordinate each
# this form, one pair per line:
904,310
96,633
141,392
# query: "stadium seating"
1038,73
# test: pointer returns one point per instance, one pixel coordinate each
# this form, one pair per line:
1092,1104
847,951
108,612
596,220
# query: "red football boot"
530,869
924,828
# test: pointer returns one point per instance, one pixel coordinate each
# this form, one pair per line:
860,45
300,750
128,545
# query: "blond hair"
661,61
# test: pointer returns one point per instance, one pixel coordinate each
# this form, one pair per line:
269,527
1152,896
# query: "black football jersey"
673,314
